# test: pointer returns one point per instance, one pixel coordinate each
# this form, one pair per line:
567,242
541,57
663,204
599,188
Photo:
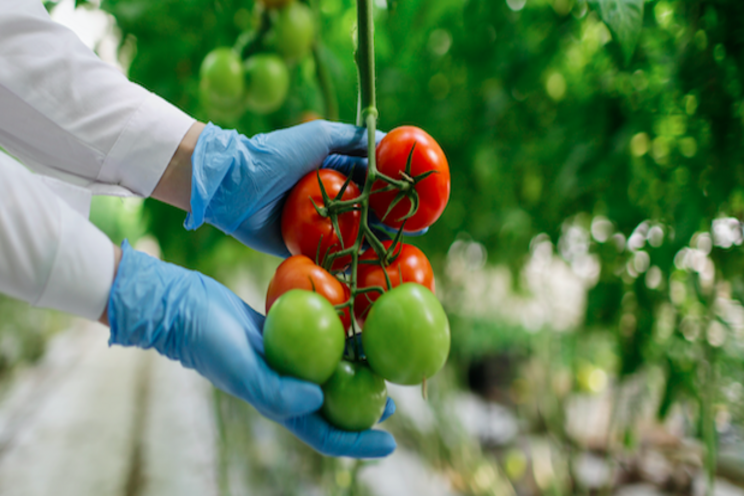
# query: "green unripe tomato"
303,336
267,83
354,397
294,31
406,336
221,79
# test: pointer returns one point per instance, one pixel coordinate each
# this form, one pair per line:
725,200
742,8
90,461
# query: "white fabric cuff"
145,147
82,274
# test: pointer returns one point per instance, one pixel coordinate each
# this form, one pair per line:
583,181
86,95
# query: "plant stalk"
249,43
365,56
707,400
326,84
367,117
365,60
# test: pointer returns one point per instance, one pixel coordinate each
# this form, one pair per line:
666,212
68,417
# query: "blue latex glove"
239,184
192,318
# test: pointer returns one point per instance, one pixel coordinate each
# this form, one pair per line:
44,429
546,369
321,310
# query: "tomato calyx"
336,206
389,254
353,352
406,187
331,209
384,260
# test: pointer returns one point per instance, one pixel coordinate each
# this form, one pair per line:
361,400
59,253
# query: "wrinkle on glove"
192,318
239,184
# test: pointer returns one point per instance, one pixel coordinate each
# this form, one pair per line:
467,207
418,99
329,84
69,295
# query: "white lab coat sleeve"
67,114
50,255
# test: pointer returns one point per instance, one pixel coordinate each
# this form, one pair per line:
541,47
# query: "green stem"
374,242
321,69
607,487
326,83
371,289
354,202
343,210
339,254
248,44
399,184
365,59
707,400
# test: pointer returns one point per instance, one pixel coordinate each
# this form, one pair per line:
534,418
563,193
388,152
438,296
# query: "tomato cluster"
254,75
387,287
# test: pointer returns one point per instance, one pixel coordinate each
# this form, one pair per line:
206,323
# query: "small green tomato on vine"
221,82
266,83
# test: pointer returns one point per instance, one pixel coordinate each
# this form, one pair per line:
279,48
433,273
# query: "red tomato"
411,265
299,272
392,156
303,229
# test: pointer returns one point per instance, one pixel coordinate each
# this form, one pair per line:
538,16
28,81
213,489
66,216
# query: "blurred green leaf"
625,19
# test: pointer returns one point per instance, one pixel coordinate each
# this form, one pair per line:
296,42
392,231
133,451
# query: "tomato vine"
405,186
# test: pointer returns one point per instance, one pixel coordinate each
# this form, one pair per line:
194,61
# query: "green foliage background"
549,117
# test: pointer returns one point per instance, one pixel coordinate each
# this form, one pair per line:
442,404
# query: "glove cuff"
139,313
207,173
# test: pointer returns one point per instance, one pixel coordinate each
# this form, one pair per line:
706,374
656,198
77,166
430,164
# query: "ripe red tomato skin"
299,272
434,191
303,227
411,265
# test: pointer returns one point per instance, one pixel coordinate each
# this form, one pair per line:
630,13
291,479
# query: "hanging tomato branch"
388,288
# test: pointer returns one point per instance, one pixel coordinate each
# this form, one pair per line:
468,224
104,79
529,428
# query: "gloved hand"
327,440
192,318
238,184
